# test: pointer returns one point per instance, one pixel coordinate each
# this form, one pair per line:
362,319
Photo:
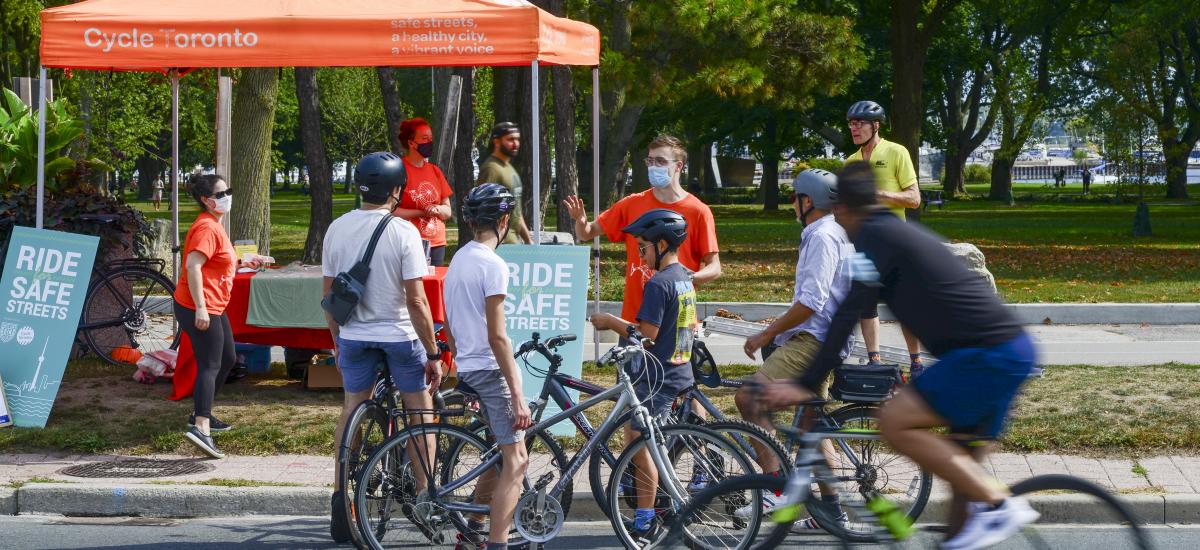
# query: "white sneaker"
810,524
985,528
769,503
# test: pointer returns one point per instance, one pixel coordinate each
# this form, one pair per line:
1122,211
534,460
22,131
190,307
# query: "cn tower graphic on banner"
42,291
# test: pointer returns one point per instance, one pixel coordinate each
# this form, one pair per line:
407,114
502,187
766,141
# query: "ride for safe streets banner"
45,281
547,294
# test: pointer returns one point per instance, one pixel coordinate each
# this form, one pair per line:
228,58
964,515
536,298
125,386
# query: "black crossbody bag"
348,287
865,383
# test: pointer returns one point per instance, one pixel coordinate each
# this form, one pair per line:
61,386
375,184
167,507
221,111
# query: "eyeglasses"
658,161
642,248
222,194
858,123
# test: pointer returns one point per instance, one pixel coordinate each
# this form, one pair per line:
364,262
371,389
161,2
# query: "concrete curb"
182,501
1028,314
190,501
8,501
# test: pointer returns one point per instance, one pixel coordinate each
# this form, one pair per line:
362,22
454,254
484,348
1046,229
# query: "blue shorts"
973,388
361,361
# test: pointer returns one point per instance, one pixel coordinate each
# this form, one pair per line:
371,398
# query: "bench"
931,196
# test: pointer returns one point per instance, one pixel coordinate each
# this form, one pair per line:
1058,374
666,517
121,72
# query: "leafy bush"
977,173
127,235
832,165
19,142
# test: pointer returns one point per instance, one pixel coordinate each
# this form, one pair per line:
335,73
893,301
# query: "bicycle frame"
627,401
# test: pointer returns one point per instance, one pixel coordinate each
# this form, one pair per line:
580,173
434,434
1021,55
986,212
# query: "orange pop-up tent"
177,35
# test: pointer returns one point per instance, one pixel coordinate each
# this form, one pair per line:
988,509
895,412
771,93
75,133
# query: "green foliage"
125,234
832,165
352,112
977,173
19,141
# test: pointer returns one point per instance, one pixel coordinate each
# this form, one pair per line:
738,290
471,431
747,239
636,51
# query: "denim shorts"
495,403
973,388
360,363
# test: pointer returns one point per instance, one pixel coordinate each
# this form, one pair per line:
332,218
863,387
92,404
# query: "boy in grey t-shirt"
478,281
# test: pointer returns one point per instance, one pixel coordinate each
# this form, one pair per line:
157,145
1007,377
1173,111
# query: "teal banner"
547,294
45,282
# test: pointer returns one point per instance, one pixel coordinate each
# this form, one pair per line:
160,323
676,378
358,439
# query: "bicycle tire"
1132,535
713,445
599,469
888,473
742,431
367,428
145,317
386,485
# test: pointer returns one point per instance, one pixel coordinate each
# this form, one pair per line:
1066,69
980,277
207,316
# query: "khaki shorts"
793,358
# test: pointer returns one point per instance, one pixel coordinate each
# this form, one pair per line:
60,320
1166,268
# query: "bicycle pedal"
543,481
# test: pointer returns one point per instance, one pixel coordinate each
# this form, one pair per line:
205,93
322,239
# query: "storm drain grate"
141,468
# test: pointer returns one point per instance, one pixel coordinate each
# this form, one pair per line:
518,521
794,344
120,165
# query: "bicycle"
128,305
876,518
439,512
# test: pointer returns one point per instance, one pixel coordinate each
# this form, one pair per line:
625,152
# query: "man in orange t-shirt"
699,253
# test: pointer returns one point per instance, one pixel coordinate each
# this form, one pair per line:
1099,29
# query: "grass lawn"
1039,251
1140,411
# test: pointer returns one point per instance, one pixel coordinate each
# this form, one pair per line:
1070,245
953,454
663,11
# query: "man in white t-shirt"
483,356
391,325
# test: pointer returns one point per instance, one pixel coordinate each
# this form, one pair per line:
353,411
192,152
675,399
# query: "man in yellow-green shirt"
896,187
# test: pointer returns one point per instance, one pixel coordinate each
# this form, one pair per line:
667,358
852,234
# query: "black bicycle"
128,308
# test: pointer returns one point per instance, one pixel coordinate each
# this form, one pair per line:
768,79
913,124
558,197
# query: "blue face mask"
660,176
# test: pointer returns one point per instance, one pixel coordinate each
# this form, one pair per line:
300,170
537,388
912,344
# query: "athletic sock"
872,356
916,359
642,518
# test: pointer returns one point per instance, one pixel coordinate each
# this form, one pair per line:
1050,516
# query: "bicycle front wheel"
688,449
392,505
129,309
368,427
1121,526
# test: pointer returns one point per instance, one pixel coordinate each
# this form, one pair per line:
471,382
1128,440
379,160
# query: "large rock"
974,260
159,242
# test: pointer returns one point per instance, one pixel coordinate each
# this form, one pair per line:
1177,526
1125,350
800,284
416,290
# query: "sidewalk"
1161,489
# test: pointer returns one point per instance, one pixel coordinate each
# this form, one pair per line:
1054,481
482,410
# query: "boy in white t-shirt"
483,356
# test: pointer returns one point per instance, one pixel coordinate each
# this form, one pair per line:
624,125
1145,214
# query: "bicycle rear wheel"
1121,526
131,308
368,427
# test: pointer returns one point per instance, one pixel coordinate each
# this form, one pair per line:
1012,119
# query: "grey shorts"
495,403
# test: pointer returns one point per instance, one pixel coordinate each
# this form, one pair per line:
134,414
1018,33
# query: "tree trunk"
1001,187
1175,159
504,95
908,77
147,167
564,141
955,172
524,162
710,177
250,165
464,167
695,166
770,171
619,115
391,106
320,184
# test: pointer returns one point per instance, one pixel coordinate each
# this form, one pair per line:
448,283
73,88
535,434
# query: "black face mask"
425,149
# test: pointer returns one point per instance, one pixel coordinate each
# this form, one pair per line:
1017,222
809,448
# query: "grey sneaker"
214,425
204,442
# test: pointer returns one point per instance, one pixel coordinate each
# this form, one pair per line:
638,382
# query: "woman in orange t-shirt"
426,199
201,295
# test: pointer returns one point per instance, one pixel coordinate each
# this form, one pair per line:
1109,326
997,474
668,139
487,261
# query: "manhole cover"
138,468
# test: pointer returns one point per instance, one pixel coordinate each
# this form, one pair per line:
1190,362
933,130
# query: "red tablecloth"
239,302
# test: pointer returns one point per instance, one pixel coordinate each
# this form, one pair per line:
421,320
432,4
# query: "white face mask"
222,205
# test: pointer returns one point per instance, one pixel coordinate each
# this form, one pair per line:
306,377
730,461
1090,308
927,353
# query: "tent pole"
174,175
596,195
41,153
535,146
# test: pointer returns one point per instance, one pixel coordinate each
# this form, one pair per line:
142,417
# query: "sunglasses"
222,194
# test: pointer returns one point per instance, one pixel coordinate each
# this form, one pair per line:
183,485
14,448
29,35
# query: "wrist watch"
433,356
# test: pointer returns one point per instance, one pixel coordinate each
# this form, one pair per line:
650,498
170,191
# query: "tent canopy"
154,35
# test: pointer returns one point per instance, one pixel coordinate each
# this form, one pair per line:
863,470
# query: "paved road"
43,532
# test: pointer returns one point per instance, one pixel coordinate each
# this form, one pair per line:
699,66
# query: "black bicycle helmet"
377,174
866,110
659,224
487,203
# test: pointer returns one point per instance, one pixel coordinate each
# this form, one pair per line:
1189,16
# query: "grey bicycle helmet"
377,174
818,185
866,110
